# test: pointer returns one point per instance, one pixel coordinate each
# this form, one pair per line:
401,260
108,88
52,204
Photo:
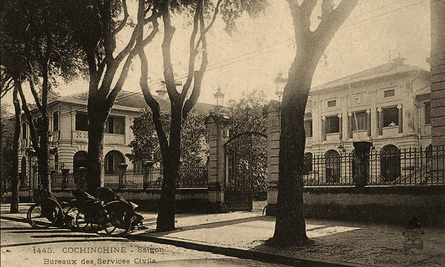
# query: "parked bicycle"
89,217
49,212
114,214
108,212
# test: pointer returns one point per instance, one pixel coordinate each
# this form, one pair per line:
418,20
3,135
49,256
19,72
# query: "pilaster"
272,113
217,126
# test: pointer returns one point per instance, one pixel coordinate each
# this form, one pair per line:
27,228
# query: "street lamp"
280,82
219,96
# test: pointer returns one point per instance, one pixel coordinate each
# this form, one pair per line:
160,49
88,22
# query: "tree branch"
169,31
332,21
34,92
140,44
192,50
7,85
199,75
25,108
210,24
124,21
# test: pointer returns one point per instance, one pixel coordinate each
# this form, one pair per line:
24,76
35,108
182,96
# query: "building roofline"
386,70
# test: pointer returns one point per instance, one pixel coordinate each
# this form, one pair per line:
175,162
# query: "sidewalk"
337,243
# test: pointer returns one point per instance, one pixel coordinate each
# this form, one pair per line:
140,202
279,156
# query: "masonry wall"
375,204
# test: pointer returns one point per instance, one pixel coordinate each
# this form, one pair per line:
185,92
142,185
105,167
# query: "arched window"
332,164
390,162
112,160
80,160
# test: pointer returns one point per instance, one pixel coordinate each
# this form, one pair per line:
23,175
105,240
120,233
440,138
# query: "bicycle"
90,212
118,215
47,212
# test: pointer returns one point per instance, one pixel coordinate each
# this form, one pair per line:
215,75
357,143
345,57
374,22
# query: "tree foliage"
247,113
145,146
36,48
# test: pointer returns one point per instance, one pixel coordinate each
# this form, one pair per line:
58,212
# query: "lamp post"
219,97
280,83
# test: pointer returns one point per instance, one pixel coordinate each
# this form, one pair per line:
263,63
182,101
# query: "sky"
376,32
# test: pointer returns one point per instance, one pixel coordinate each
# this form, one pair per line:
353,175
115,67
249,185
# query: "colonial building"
388,105
69,134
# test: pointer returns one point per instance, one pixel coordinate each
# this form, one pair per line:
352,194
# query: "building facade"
388,105
69,135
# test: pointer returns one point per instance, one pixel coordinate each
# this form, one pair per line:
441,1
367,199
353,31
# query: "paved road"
24,246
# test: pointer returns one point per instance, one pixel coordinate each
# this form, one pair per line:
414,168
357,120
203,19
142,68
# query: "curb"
223,250
235,252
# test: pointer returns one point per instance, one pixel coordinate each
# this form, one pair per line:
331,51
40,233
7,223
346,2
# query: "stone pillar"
437,64
217,127
399,107
361,163
122,175
340,127
350,126
368,122
272,113
73,125
380,121
323,128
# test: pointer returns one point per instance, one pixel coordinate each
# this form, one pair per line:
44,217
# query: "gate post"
272,113
217,126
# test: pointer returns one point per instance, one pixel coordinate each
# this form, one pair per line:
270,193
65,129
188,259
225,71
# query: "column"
323,128
368,121
273,152
350,126
217,126
380,121
73,125
399,107
340,127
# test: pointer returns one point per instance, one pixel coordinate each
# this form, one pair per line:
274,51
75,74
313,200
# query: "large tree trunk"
96,129
290,228
166,215
15,163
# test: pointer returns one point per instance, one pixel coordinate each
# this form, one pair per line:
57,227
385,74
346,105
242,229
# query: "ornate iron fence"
189,177
388,167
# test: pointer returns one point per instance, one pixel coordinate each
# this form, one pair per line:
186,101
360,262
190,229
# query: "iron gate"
246,169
